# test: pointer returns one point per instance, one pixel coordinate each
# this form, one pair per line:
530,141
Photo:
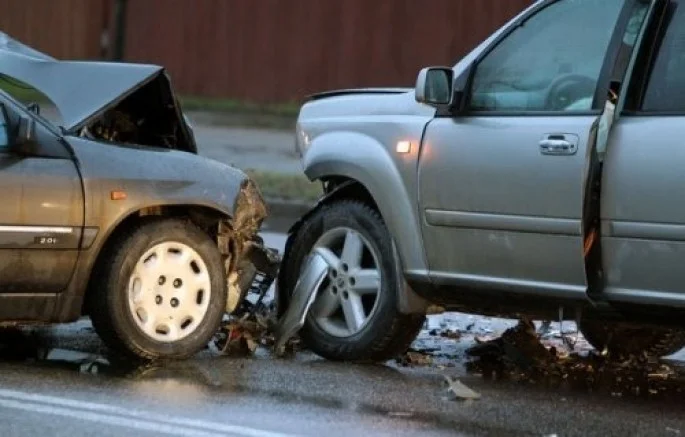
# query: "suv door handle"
558,145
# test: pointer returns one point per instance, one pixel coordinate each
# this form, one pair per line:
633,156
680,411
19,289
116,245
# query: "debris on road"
519,355
243,333
242,336
413,358
447,333
458,390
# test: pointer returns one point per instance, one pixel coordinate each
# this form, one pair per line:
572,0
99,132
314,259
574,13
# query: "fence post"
119,30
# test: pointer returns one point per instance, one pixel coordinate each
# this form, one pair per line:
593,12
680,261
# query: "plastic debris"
457,390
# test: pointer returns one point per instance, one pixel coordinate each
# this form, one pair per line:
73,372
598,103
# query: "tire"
385,332
119,305
632,340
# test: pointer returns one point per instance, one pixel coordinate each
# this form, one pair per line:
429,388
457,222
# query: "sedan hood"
83,90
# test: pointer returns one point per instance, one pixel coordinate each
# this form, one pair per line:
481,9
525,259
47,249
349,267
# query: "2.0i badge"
46,241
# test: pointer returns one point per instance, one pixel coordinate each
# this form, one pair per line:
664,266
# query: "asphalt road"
253,149
58,381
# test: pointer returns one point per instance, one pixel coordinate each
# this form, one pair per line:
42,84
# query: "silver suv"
541,175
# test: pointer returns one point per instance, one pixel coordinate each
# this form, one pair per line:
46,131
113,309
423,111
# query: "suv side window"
552,62
665,91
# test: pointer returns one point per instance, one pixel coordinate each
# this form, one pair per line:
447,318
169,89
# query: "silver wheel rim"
349,296
169,292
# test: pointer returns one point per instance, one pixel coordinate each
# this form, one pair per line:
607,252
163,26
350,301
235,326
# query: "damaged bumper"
250,266
303,297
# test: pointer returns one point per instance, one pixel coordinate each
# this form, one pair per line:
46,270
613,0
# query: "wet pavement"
255,149
59,381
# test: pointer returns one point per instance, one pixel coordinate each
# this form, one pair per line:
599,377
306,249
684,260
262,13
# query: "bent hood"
81,90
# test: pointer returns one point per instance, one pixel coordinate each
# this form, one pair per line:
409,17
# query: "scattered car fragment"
531,177
458,390
112,213
306,289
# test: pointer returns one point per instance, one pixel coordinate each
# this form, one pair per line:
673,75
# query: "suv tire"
182,297
622,340
342,334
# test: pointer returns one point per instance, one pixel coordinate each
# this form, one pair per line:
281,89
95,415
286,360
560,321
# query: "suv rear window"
665,90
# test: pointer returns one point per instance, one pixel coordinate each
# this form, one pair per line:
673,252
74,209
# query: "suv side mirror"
26,135
434,86
437,86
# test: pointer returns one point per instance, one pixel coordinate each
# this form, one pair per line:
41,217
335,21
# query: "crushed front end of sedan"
142,204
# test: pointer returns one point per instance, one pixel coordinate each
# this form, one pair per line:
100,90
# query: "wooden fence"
267,50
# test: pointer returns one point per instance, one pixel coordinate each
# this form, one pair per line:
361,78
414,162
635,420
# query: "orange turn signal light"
118,195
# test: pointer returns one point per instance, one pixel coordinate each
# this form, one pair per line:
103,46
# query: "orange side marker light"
118,195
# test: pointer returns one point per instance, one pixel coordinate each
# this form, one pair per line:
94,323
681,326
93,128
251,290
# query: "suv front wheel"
355,316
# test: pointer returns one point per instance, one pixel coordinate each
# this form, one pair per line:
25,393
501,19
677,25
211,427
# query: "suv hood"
83,90
351,91
340,104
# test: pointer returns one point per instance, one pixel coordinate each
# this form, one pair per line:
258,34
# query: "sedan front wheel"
160,291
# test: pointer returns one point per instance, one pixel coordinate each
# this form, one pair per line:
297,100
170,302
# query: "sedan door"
41,216
502,187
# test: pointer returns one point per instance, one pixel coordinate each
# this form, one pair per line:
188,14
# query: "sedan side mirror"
25,137
434,86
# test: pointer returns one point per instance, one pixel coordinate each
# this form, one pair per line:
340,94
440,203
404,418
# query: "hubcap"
169,292
348,297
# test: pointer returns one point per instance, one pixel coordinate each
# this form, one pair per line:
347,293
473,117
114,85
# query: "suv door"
502,186
41,215
643,201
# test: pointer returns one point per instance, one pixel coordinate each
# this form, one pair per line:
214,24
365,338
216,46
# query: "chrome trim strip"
36,230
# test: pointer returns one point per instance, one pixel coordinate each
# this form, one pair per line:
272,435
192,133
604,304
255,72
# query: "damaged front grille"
251,269
249,265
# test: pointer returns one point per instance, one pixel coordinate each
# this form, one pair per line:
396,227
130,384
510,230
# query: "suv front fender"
361,158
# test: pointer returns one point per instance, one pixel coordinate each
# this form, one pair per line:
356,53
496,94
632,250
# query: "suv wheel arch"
337,189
